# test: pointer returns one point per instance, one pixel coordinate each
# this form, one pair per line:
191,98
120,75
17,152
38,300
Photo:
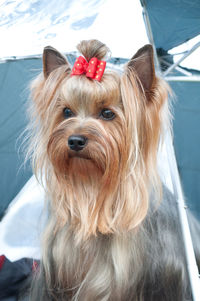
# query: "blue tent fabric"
14,79
186,128
173,22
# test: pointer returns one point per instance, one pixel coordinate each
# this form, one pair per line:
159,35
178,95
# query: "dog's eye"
107,114
68,113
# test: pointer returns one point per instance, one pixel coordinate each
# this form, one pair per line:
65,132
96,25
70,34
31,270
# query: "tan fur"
106,189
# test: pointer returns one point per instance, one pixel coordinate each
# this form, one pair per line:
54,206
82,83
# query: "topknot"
93,48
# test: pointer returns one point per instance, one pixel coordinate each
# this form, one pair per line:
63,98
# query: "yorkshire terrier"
94,142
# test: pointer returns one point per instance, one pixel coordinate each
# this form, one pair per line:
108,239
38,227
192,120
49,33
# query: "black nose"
77,142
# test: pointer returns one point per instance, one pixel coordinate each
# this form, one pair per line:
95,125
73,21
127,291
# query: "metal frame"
172,67
188,244
183,78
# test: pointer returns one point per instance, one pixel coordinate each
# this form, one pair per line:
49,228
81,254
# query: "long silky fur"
104,239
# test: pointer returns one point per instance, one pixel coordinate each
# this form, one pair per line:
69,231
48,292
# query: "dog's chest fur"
130,266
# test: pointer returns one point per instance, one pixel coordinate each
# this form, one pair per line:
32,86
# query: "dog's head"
96,141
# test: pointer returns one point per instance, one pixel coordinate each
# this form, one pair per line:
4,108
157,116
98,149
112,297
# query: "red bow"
94,69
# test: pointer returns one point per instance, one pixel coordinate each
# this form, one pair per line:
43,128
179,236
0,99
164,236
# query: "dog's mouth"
81,155
83,164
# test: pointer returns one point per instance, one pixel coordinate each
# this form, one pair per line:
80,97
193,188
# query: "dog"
93,144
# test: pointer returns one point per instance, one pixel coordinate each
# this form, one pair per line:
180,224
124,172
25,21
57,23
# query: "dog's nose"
77,142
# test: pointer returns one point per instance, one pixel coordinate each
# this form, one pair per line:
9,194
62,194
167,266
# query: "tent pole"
189,249
150,34
182,78
181,59
193,272
181,70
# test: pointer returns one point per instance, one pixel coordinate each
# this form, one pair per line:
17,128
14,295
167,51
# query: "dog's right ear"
52,59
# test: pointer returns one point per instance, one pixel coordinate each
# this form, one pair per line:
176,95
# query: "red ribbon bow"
94,69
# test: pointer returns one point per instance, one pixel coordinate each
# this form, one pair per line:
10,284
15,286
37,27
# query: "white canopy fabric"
28,26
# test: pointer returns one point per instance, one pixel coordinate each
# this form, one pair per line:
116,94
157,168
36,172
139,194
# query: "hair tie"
94,69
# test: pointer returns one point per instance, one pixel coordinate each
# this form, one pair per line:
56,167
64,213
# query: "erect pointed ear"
52,59
142,63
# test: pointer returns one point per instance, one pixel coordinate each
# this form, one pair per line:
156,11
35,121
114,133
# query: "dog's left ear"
52,59
142,63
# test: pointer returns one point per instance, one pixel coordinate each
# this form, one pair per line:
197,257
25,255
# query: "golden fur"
99,197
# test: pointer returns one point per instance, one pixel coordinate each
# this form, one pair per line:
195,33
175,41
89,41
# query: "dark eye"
107,114
68,113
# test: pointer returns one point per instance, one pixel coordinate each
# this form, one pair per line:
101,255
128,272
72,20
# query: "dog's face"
99,141
88,131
